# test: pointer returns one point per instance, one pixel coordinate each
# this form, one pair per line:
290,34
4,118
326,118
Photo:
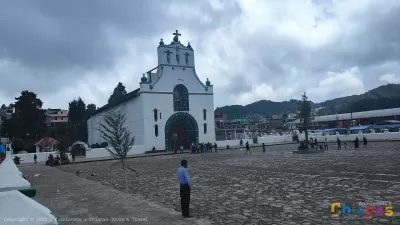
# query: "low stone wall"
232,142
274,139
102,152
28,157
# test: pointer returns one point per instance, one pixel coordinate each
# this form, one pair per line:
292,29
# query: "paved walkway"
80,201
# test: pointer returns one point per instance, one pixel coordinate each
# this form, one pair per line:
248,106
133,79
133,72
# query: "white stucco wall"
134,121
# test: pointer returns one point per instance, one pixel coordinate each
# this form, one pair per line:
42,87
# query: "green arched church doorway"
181,129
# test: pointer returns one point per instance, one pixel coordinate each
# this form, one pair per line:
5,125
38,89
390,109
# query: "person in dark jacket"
247,147
365,141
356,143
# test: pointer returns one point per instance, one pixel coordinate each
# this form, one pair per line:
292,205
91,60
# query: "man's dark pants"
185,199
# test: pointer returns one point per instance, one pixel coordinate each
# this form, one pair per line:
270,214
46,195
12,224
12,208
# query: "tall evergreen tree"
28,108
77,118
305,114
119,91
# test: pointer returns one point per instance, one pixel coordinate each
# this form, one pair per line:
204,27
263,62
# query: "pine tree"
119,91
77,118
115,133
305,115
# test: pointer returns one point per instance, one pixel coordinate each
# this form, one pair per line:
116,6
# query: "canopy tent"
359,127
327,130
383,126
17,207
47,140
12,181
8,167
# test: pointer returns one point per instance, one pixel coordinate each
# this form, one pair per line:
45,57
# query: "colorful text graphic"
361,210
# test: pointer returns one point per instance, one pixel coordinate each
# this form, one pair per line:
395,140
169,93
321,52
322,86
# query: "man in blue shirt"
186,185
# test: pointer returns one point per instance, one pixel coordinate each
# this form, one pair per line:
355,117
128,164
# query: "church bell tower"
175,53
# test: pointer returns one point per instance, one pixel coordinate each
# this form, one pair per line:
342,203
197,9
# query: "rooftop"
356,115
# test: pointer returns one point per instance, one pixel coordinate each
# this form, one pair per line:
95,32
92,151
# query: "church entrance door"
181,129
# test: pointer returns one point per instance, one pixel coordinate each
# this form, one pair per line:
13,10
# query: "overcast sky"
250,50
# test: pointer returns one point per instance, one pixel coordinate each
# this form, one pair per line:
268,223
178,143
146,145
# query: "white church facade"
172,107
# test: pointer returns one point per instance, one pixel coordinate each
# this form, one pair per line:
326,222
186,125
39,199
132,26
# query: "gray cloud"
249,50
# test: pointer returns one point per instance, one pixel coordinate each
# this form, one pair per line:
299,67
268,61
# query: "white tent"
8,166
16,208
12,181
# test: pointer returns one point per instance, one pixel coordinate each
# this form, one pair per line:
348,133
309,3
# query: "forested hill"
383,97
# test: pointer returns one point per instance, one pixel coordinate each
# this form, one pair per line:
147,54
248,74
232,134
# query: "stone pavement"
277,187
80,201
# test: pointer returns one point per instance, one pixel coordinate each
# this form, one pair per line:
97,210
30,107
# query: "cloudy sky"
250,50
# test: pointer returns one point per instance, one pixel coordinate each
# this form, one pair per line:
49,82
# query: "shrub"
103,145
95,145
18,145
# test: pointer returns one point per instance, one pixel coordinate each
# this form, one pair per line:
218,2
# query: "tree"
3,106
114,132
90,109
18,145
77,118
29,108
119,91
12,127
63,147
305,114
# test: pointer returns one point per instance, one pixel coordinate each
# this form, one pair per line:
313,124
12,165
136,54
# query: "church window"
181,98
204,114
177,58
155,114
160,116
156,130
205,128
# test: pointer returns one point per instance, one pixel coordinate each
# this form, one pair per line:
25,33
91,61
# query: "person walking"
181,149
247,147
263,146
326,144
185,187
356,143
339,144
35,158
365,141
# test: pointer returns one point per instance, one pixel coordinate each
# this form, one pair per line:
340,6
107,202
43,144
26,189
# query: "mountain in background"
382,97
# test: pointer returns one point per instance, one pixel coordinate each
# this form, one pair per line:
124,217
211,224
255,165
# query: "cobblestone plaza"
275,187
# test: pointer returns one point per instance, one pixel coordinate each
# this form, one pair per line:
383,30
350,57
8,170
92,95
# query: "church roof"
125,98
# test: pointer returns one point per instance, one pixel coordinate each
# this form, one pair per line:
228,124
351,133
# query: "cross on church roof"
177,34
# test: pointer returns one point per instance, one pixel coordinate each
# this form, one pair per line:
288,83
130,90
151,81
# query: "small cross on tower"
177,34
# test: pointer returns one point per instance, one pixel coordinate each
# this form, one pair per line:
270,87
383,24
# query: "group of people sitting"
51,161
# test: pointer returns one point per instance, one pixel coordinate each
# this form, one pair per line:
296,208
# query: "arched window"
181,98
156,130
155,114
160,116
204,114
205,128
